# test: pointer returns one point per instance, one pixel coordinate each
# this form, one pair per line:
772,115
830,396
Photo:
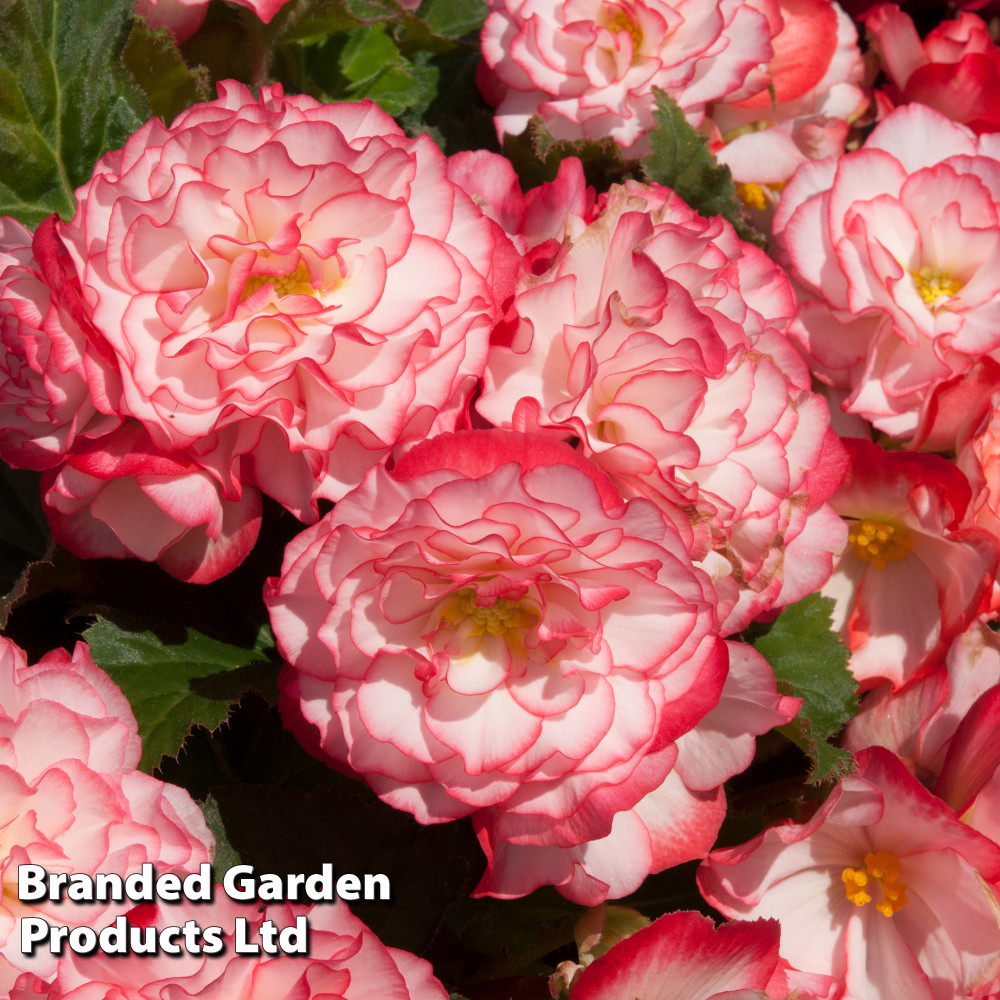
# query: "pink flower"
120,496
345,960
815,75
684,956
184,17
46,361
72,799
979,458
918,722
884,889
897,250
148,971
490,627
181,17
588,67
289,289
955,69
677,821
656,338
915,572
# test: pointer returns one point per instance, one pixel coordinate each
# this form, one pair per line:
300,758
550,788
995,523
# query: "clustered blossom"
657,339
896,249
805,114
272,294
955,69
490,630
535,624
589,67
72,799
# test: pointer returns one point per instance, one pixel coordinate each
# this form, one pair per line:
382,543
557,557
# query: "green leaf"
174,686
368,52
225,854
65,99
454,18
536,155
156,64
810,661
681,160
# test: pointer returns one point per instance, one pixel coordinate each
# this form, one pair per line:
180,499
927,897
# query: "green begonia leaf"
810,661
65,99
175,686
681,160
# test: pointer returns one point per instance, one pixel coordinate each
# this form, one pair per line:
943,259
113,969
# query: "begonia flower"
918,722
684,956
814,95
72,799
589,67
955,69
896,249
53,381
656,338
120,496
184,17
884,889
288,289
676,822
915,572
344,960
491,629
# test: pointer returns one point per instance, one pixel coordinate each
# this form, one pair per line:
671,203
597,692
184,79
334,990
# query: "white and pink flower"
120,496
289,290
677,821
53,380
896,249
72,799
491,629
805,114
684,956
916,571
884,889
589,67
955,69
656,338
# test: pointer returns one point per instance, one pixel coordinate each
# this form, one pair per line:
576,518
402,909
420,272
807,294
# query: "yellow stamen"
295,283
935,285
879,542
752,195
499,618
883,868
620,21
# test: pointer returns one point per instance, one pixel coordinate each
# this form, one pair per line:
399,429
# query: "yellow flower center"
752,195
500,618
295,283
935,285
879,542
882,868
618,21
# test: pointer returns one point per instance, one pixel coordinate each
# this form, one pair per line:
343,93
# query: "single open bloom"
589,67
896,251
491,627
289,290
884,889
